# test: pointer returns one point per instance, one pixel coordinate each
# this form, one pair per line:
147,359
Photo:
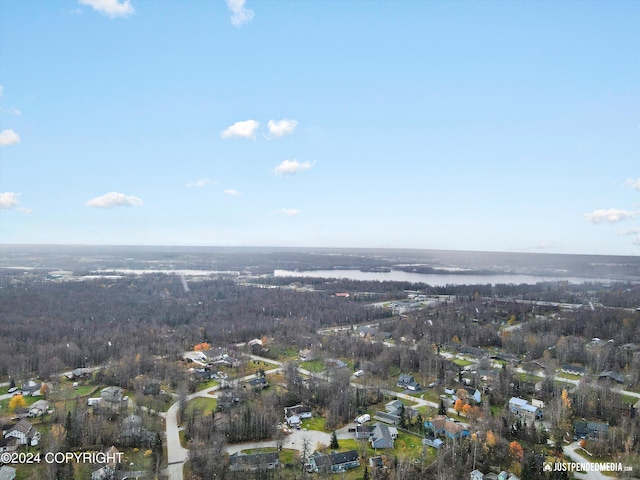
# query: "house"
79,373
382,436
524,410
610,375
408,382
441,425
242,462
364,431
131,426
387,418
111,395
364,331
7,473
573,369
299,410
306,355
469,393
31,388
376,462
335,462
38,409
24,432
259,383
394,407
104,473
9,444
477,475
432,442
151,388
592,430
293,421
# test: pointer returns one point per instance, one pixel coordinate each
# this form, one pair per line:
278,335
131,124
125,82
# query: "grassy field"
569,376
204,405
287,455
461,362
315,423
314,366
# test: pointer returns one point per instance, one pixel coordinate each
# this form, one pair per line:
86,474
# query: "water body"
436,279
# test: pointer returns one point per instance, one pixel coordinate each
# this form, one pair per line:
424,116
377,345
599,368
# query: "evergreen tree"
442,410
366,473
334,440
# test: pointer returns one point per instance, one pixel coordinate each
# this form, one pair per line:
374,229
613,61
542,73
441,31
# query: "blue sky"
498,126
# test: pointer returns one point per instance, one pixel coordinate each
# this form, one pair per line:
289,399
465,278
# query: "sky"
457,125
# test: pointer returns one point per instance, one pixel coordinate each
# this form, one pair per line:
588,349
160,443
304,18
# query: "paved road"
570,451
177,455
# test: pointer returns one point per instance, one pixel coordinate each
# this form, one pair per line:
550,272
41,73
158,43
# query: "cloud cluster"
8,137
114,199
610,215
198,183
280,128
8,200
232,192
634,183
239,13
246,129
290,212
291,167
110,8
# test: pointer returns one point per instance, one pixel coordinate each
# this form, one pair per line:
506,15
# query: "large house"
408,382
441,425
24,432
335,462
592,430
112,398
383,436
242,462
524,410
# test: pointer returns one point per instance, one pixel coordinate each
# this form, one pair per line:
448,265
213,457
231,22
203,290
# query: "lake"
436,279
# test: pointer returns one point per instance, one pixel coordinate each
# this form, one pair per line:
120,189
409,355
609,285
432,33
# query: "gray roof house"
408,382
334,463
383,436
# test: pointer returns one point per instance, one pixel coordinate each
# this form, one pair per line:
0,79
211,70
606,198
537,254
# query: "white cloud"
636,241
246,129
290,212
232,192
198,183
114,199
609,216
633,231
8,137
110,8
9,200
240,14
291,167
1,89
280,128
634,183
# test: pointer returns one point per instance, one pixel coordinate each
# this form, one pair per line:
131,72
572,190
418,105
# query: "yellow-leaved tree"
16,402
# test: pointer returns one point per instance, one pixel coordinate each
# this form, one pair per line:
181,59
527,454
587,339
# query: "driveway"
570,451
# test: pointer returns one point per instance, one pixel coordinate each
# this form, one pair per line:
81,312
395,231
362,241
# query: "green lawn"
208,384
202,404
569,376
314,366
315,423
286,455
461,362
